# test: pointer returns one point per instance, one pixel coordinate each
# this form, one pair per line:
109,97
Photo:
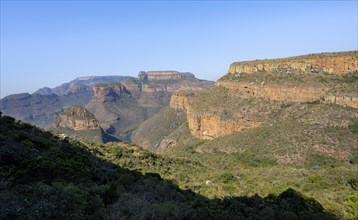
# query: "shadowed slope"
43,177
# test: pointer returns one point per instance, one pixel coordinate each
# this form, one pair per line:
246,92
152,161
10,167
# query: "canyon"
329,78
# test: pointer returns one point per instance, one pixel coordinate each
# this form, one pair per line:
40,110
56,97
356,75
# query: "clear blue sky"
47,43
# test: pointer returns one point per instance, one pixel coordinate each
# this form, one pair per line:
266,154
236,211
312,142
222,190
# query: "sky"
47,43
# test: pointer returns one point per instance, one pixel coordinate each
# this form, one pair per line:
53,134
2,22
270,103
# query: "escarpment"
339,63
211,121
276,92
326,77
165,75
108,91
254,92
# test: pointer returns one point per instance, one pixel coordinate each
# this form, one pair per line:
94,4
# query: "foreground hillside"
43,177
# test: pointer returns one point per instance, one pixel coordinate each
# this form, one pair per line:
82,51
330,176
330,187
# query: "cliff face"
76,118
330,78
290,93
340,63
210,125
108,91
341,100
326,77
276,92
165,75
151,82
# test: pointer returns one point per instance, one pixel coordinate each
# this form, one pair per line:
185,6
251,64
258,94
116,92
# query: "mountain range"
266,128
119,103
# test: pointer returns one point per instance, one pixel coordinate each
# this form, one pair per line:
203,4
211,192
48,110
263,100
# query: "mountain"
121,107
242,148
80,124
79,83
119,103
305,105
42,107
283,122
45,177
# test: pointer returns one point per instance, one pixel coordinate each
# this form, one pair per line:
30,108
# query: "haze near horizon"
49,43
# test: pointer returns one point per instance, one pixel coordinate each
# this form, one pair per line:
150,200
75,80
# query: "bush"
354,127
21,135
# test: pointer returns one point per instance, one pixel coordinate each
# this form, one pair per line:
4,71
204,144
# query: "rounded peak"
78,112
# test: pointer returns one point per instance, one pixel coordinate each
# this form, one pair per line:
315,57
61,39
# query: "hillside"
44,177
154,133
266,130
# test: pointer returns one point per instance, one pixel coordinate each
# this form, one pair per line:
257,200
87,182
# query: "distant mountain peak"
165,75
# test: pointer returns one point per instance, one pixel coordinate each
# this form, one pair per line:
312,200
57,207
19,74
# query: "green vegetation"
354,126
91,135
64,179
160,126
307,146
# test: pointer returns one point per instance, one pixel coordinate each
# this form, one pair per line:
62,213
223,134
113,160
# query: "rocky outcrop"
132,85
339,63
275,92
209,125
344,101
165,75
289,93
328,77
108,91
180,101
76,118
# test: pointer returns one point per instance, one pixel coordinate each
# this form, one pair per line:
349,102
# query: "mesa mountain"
119,103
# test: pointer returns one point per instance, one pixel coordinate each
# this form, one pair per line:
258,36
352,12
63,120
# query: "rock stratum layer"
330,78
209,125
339,63
290,93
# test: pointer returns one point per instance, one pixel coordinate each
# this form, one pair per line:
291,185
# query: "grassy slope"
120,117
309,146
317,141
152,131
45,178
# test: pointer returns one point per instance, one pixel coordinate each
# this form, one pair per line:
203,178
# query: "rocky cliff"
121,107
108,91
339,63
165,75
211,123
252,92
76,118
80,124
